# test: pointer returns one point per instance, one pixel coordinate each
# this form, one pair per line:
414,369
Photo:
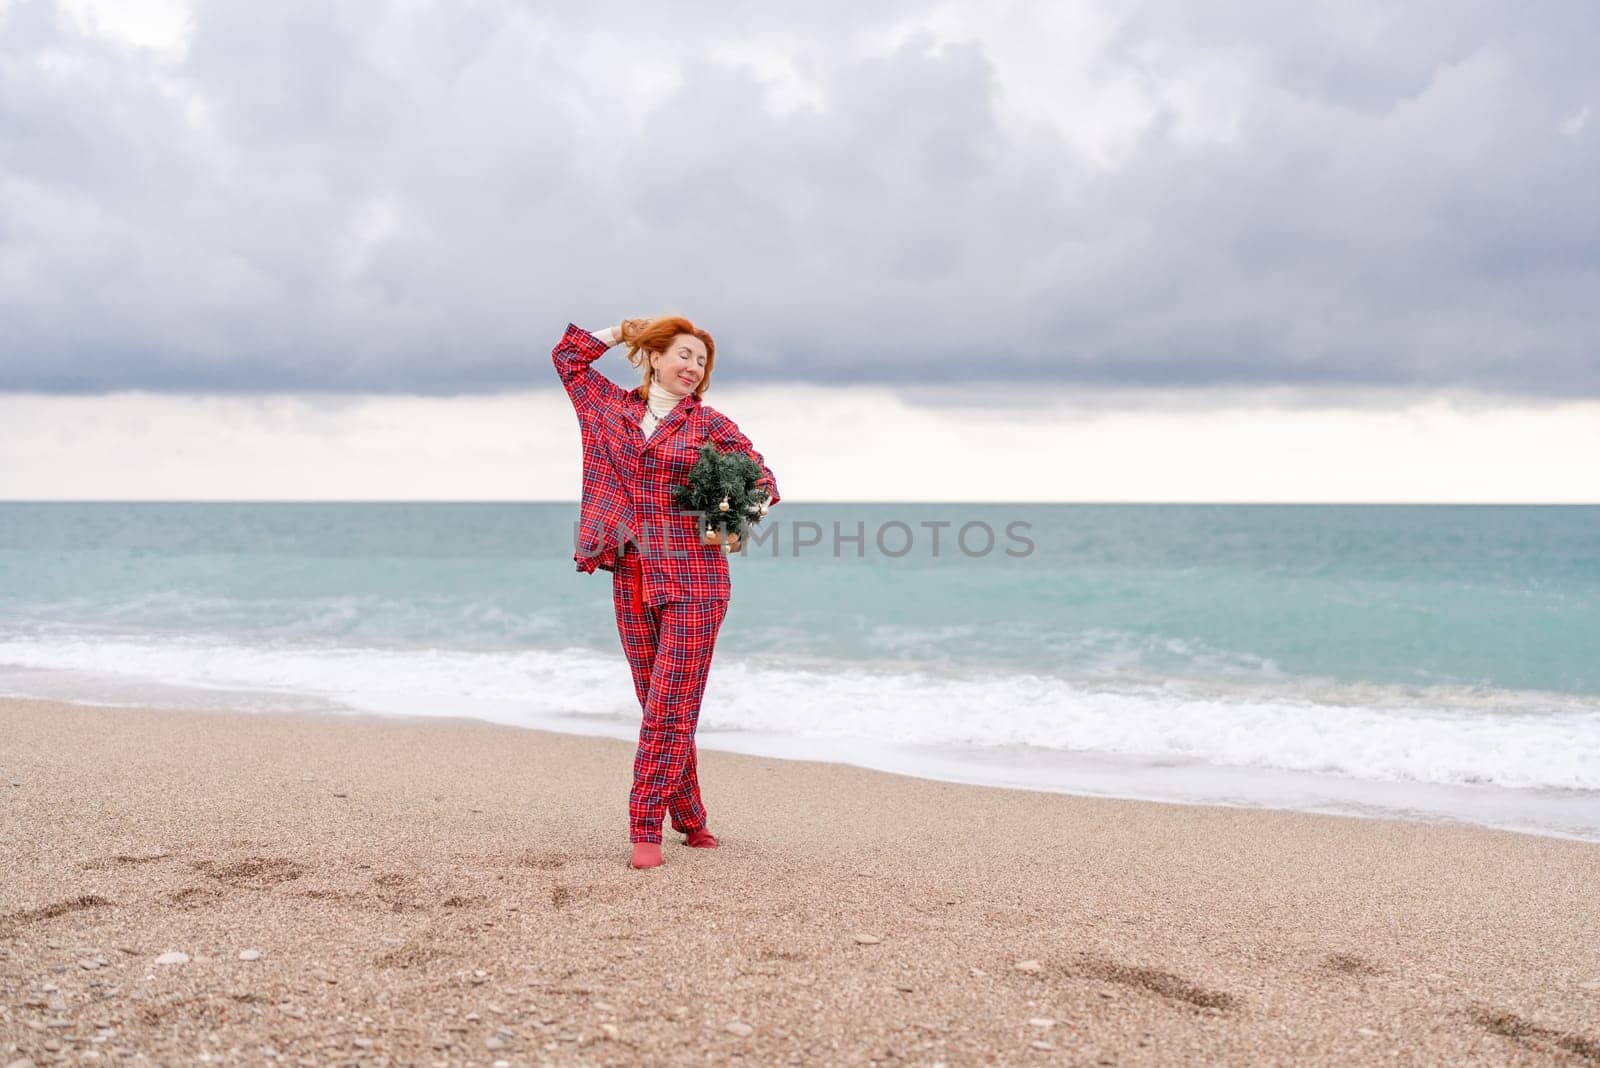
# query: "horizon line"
575,502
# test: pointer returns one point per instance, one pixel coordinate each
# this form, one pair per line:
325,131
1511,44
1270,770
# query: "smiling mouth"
686,378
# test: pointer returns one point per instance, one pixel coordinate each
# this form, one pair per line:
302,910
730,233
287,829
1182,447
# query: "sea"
1437,663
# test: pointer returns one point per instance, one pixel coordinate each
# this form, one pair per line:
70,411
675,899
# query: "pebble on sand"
1040,1043
868,939
1032,967
249,954
175,956
1041,1021
743,1030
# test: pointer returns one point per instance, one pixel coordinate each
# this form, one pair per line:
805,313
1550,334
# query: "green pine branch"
719,477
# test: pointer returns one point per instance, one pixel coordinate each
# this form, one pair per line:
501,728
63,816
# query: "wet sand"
447,891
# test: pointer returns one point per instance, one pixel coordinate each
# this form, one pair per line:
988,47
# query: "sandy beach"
447,891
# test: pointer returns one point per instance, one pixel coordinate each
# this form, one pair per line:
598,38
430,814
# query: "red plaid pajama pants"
669,652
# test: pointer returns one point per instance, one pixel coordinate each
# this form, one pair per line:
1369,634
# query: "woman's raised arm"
572,356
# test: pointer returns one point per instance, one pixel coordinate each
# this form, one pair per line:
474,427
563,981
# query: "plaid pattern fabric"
669,651
628,480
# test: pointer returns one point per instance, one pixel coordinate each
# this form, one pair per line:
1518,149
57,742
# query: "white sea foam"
1382,734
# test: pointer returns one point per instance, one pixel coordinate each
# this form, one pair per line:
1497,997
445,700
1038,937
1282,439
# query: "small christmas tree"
722,489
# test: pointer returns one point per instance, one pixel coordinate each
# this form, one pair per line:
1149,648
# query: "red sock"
701,839
646,854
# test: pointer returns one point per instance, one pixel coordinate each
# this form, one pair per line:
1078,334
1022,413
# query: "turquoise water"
1443,645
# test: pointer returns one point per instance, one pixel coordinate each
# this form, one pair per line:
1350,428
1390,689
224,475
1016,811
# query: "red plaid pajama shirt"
671,597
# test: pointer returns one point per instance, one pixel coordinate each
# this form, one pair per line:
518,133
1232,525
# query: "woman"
669,589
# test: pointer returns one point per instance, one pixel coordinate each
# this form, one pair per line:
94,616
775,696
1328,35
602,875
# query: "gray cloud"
330,196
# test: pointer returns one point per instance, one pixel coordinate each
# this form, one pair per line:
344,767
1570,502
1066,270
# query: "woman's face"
682,366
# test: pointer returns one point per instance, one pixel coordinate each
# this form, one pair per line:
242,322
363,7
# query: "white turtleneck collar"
662,400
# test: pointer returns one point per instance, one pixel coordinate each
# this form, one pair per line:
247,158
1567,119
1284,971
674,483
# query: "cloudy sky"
1173,249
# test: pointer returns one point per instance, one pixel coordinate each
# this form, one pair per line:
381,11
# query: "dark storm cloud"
319,196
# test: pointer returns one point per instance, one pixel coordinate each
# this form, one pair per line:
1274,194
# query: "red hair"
655,335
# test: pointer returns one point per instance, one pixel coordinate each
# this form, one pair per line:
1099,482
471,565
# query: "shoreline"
407,874
1548,813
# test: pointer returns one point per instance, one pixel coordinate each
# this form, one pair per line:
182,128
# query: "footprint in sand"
1534,1036
23,917
1351,964
1152,980
252,873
